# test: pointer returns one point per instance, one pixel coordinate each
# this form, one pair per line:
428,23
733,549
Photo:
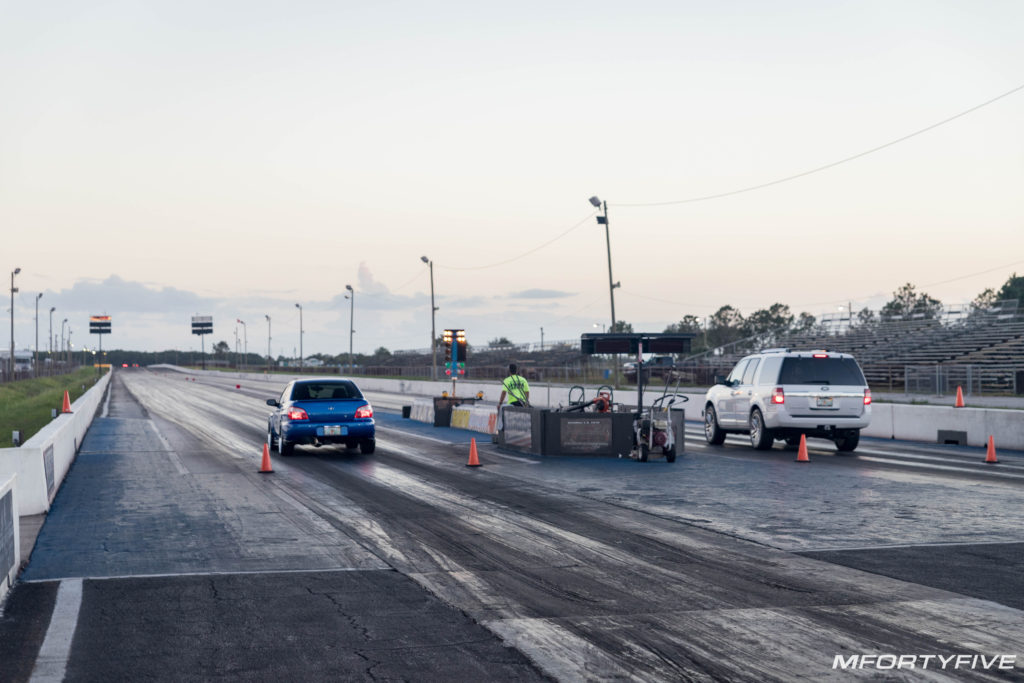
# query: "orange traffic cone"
67,403
959,398
801,455
474,461
990,455
265,467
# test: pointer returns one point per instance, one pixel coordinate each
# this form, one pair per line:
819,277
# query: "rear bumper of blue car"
307,433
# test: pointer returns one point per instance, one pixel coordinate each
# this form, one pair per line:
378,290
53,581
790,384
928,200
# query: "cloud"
116,294
540,294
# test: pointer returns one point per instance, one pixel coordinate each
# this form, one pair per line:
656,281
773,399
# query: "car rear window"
315,391
837,371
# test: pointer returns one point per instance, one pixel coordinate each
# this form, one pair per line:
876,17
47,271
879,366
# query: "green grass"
26,404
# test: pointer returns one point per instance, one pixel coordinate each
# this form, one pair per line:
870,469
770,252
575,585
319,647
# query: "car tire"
670,454
712,432
760,436
367,446
645,453
284,448
849,442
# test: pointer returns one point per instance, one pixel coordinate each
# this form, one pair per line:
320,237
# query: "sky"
160,160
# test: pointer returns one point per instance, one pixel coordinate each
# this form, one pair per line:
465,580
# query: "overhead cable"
831,165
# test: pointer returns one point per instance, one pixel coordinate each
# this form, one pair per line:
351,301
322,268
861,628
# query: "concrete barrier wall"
905,421
10,541
44,460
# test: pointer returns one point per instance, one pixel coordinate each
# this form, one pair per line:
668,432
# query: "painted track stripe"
52,662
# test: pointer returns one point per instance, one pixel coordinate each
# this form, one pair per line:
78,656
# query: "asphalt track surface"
167,556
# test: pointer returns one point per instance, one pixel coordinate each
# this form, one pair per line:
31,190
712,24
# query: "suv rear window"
833,371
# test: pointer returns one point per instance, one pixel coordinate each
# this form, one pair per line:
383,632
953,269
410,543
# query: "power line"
834,163
524,254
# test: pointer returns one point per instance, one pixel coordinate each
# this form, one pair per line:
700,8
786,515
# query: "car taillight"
364,411
778,396
867,397
297,414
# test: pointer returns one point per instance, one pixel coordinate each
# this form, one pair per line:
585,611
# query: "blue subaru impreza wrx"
316,412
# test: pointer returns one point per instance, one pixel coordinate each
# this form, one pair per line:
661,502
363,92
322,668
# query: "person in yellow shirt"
516,388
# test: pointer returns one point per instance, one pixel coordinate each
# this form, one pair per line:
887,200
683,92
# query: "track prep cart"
600,425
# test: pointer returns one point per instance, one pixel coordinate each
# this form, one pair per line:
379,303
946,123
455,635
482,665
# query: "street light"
351,296
299,306
268,341
603,220
62,347
35,367
13,290
52,309
433,327
245,345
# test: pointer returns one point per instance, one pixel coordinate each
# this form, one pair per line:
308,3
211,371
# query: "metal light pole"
50,344
268,342
433,326
35,367
351,296
603,220
13,290
542,340
245,345
299,306
62,347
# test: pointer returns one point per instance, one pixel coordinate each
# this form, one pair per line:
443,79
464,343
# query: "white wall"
58,443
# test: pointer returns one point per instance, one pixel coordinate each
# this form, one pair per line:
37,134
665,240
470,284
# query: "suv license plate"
824,401
335,430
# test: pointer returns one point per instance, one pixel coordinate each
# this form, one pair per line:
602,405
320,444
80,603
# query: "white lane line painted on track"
106,403
171,453
52,661
900,546
1002,474
244,572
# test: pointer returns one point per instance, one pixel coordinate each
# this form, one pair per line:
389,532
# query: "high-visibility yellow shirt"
516,388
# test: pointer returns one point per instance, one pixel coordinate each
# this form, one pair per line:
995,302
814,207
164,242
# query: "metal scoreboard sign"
202,324
99,324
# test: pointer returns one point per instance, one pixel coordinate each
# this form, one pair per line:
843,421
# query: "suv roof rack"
779,350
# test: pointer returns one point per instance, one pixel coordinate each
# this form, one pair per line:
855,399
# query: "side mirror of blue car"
273,402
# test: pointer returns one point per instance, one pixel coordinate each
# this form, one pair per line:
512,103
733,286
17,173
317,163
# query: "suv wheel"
712,432
849,441
760,437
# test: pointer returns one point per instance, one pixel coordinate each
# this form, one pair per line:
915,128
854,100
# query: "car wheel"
712,432
368,446
284,447
760,436
670,454
848,442
270,438
645,452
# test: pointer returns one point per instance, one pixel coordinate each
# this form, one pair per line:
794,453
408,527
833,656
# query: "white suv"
781,394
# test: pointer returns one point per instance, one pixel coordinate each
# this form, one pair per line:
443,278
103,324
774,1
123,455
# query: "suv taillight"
778,396
297,414
867,397
364,411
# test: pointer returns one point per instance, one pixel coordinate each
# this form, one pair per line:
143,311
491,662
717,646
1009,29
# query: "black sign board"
202,324
99,324
629,342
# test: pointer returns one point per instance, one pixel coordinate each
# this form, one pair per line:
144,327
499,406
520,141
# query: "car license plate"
824,401
335,430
